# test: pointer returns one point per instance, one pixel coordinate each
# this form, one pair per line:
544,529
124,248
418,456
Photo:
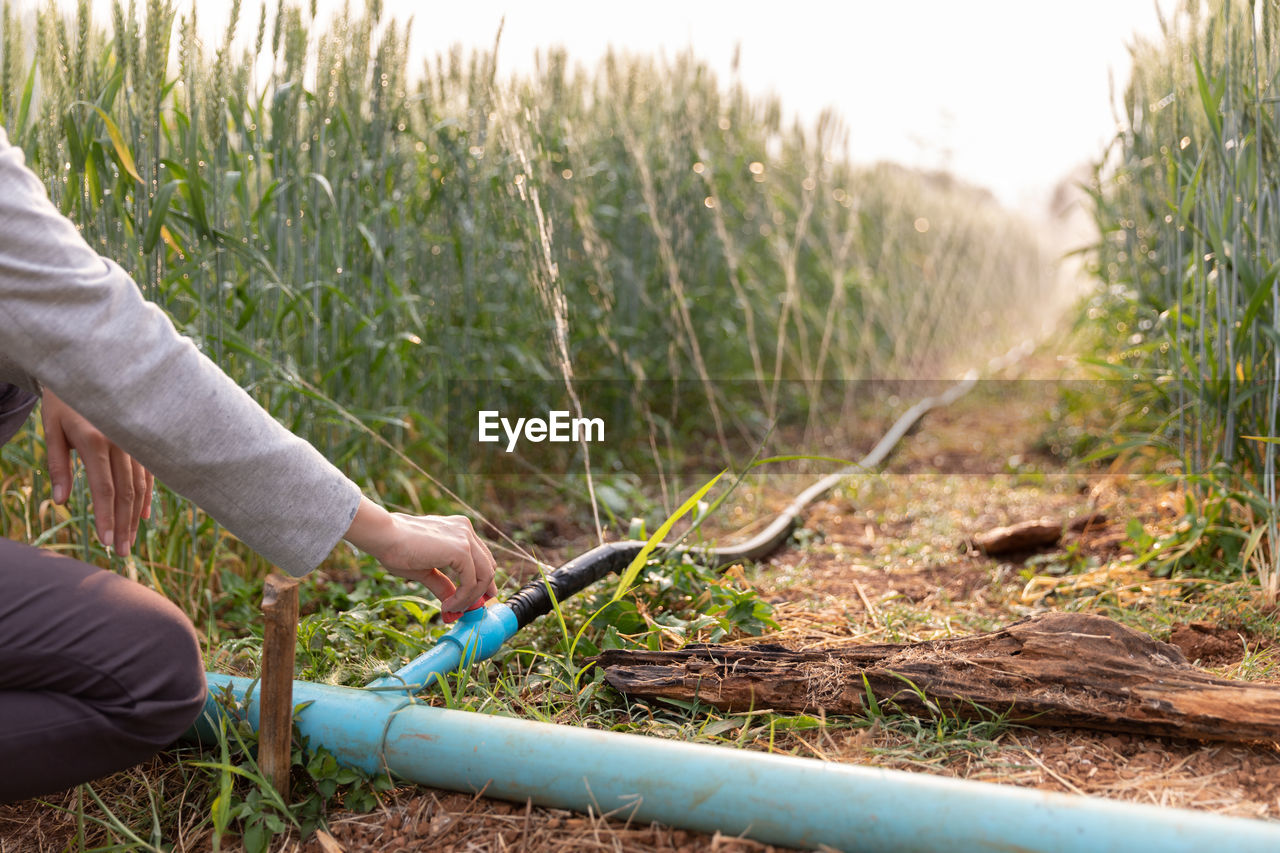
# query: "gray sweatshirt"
76,323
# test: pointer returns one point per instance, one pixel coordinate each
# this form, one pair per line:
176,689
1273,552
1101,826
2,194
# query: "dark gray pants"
97,673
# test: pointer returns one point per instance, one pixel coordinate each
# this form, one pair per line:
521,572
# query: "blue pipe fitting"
477,635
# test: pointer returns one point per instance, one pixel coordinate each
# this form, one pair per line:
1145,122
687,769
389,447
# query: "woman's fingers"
125,489
469,585
486,557
141,499
475,568
484,566
58,456
433,579
414,547
148,491
95,454
119,486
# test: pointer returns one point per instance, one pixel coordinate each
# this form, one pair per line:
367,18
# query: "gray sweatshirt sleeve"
77,324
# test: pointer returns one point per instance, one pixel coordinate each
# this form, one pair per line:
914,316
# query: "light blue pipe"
477,635
775,799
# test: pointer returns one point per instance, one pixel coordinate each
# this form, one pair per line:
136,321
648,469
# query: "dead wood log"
1058,669
1022,536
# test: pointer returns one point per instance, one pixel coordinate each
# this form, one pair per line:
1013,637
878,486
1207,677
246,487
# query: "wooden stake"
280,638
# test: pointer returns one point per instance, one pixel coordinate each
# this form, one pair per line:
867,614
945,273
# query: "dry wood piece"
1022,536
279,641
1058,669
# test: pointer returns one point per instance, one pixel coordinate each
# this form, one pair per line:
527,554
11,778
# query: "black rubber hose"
535,599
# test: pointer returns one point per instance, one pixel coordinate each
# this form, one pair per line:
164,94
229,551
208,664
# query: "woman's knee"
108,642
173,691
119,664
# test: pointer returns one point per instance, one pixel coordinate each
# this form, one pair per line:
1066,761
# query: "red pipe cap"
448,616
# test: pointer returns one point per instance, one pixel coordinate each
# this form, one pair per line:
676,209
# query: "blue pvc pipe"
477,635
775,799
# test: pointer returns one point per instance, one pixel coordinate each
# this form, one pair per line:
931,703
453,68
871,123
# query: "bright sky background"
1008,94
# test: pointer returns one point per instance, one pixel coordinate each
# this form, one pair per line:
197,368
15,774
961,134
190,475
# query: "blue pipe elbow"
477,635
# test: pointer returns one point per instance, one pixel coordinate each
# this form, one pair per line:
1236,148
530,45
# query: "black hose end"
536,597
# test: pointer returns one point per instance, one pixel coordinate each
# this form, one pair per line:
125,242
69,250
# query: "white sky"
1008,94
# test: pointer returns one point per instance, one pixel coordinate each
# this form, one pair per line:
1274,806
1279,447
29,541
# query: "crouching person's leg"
97,673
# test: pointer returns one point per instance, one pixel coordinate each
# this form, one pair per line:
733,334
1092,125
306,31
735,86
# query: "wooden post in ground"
280,638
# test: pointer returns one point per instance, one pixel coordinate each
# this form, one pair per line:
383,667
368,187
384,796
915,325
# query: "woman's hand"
118,484
422,547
